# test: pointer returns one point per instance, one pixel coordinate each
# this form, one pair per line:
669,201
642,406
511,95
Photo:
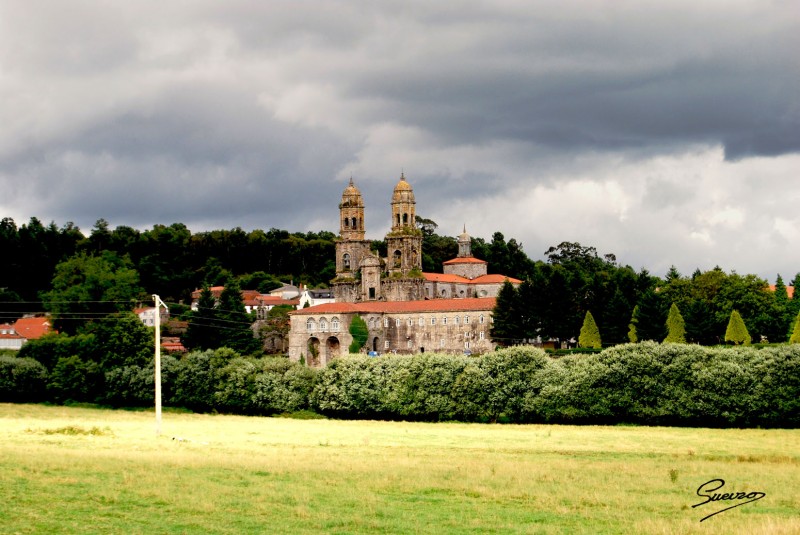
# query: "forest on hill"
45,265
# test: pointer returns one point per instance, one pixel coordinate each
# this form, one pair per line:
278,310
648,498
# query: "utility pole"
157,323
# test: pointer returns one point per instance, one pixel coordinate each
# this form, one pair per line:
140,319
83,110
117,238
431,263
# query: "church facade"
405,309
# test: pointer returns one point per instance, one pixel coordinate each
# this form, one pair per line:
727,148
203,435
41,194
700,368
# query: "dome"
464,237
403,191
351,195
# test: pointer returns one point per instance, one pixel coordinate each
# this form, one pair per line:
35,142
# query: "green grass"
79,470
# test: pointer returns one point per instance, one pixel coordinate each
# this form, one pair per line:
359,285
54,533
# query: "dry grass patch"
231,474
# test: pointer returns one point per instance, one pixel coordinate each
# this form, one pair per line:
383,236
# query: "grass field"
76,470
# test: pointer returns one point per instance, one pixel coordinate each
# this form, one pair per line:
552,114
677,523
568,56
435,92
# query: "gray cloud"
676,115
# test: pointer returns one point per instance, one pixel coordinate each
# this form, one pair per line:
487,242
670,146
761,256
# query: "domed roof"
464,236
351,196
403,191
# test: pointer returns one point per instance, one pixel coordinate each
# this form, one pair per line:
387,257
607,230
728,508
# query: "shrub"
21,379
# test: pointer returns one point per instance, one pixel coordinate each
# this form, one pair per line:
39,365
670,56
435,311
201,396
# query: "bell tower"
351,247
404,241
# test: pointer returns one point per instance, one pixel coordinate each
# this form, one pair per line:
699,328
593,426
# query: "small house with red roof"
24,329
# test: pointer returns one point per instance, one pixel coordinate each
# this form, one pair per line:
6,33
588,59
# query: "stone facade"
406,310
320,334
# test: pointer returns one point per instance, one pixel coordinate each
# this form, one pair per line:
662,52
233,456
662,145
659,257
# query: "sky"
666,133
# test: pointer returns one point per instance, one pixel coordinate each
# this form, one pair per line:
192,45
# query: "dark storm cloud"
629,118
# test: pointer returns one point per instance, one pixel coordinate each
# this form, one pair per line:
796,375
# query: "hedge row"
646,383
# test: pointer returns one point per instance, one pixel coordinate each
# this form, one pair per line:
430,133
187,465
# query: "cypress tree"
358,330
795,338
632,336
506,327
590,334
234,322
737,330
202,332
676,328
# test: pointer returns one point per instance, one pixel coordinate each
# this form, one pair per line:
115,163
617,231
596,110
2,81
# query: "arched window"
346,223
466,320
355,223
311,326
480,319
335,324
456,320
421,321
346,260
405,219
323,324
397,258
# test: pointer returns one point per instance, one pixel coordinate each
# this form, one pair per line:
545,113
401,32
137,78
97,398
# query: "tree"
676,330
737,330
651,317
506,327
590,334
122,340
87,287
359,332
203,331
234,322
795,338
274,330
632,336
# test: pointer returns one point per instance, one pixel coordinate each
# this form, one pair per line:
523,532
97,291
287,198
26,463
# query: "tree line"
575,288
78,278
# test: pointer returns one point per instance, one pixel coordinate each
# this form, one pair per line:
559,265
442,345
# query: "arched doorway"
375,344
332,348
312,359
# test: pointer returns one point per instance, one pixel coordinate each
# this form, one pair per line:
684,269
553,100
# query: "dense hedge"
646,383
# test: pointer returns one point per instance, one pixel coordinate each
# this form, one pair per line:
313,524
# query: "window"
421,321
480,319
397,322
481,335
386,344
466,345
335,324
346,261
410,342
385,322
466,320
310,325
410,322
444,320
323,324
441,342
456,320
433,321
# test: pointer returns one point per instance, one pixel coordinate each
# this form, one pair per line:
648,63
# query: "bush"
22,380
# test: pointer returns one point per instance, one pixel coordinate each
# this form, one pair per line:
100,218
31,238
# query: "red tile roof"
458,279
32,328
495,279
446,277
465,260
399,307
